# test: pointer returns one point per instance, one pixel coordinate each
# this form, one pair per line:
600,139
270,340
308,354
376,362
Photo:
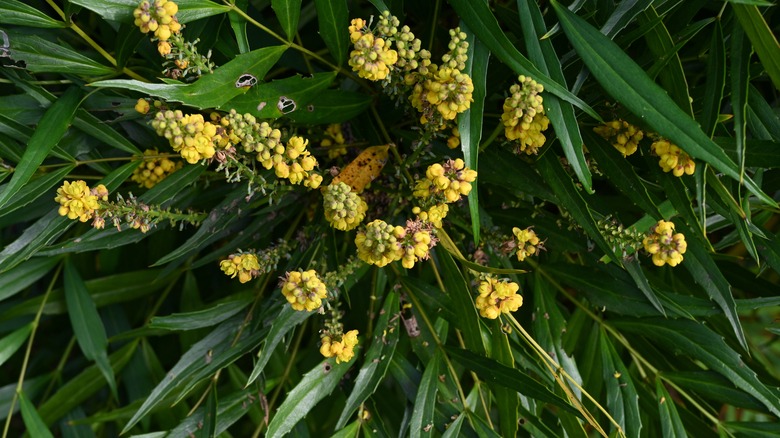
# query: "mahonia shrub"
336,218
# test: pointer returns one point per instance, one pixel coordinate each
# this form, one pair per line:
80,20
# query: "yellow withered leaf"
363,169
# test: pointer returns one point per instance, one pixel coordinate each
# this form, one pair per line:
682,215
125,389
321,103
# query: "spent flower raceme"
666,246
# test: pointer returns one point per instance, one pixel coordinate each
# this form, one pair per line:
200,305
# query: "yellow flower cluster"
415,247
344,209
158,16
528,243
448,181
154,170
379,244
245,265
303,289
665,246
78,201
497,297
333,141
673,159
523,117
294,163
372,57
343,349
434,215
189,135
622,135
453,141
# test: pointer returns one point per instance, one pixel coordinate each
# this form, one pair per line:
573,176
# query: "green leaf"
377,359
122,10
716,81
83,386
313,387
482,22
740,80
51,128
11,342
287,320
622,399
542,53
87,326
507,400
713,386
625,81
661,45
43,56
22,276
210,91
16,12
271,99
702,344
553,173
470,122
492,371
332,106
671,424
707,275
762,37
238,24
33,190
204,318
425,401
466,315
32,420
635,271
228,409
333,20
182,373
288,12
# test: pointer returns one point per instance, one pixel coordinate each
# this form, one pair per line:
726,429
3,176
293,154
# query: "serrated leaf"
43,56
622,398
424,403
377,359
288,319
542,53
16,12
671,424
212,90
625,81
702,344
288,12
761,36
333,18
315,385
332,106
492,371
83,386
204,318
87,325
43,231
470,122
18,278
11,342
34,189
122,10
480,20
32,420
707,275
278,98
51,128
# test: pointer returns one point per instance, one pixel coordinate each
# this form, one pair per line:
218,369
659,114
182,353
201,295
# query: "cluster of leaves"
108,331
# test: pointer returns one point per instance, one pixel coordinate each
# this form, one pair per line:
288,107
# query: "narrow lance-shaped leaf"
11,342
315,385
32,420
561,113
622,78
425,401
87,325
16,12
716,81
50,130
740,79
671,424
622,398
333,16
480,20
288,12
762,37
470,122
